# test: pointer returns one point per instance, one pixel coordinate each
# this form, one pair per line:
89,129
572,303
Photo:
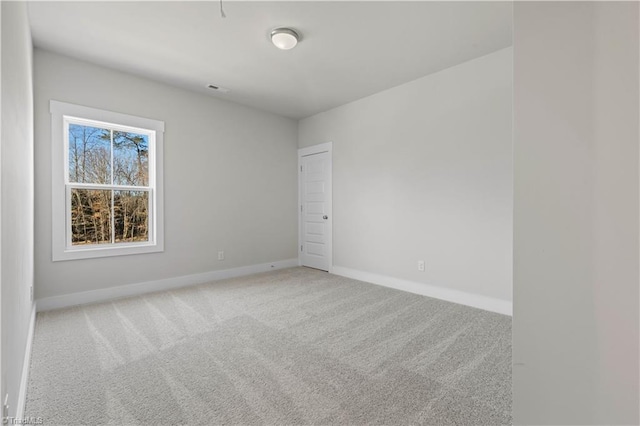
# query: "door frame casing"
305,152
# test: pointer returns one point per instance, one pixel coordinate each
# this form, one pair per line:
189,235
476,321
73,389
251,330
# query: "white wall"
229,174
17,194
575,324
423,171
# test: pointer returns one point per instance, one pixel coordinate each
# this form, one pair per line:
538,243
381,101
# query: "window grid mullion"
113,209
113,219
98,186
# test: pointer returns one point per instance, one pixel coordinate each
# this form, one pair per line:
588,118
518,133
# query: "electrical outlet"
220,255
421,265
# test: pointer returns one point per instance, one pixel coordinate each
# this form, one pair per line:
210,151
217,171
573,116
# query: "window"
107,183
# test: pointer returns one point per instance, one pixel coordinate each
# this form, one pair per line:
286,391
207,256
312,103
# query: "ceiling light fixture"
284,38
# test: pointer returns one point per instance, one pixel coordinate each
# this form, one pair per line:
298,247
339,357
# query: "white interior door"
315,210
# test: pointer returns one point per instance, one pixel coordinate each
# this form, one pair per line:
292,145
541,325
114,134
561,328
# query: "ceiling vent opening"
217,88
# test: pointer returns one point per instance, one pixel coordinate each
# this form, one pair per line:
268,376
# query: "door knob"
325,217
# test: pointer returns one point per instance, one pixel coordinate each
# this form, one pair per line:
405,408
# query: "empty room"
320,212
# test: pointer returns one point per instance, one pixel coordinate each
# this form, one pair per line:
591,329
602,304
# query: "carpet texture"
294,346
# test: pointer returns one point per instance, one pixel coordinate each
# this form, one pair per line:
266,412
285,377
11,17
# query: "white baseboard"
93,296
469,299
24,379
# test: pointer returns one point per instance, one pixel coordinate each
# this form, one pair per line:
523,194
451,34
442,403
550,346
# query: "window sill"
108,251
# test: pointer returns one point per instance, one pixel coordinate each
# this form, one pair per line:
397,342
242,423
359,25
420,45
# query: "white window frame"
61,115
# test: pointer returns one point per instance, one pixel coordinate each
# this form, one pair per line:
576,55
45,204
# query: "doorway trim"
304,152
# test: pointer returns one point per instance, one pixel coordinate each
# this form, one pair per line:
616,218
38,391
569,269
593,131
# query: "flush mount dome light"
284,38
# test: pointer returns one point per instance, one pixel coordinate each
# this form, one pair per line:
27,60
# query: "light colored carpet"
295,346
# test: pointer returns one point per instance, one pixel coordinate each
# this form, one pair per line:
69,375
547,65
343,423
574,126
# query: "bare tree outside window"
109,178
